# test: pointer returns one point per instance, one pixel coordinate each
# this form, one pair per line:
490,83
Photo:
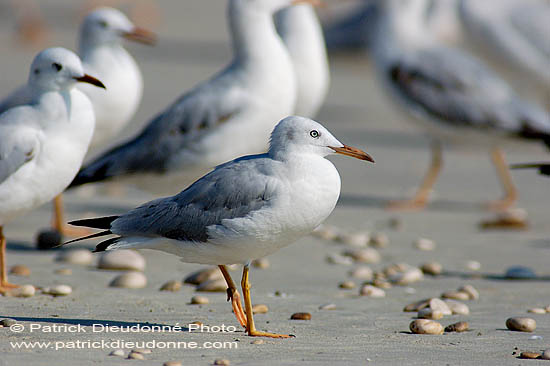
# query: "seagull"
229,115
245,209
450,92
43,143
301,32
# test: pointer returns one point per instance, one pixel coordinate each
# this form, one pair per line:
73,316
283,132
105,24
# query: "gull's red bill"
353,152
90,80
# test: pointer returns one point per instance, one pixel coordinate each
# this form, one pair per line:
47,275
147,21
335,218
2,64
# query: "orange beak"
90,80
353,152
141,35
317,3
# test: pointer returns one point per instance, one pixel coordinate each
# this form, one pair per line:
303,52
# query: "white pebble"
406,278
432,268
537,311
473,265
360,239
456,295
22,291
470,290
438,304
330,306
172,286
365,255
424,244
76,256
428,313
122,260
425,326
325,232
339,259
59,290
213,286
129,280
379,240
136,356
199,300
372,291
458,307
546,355
203,275
117,352
261,263
362,273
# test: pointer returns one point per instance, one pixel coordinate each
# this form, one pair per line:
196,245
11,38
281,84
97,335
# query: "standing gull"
43,143
229,115
243,210
301,32
452,94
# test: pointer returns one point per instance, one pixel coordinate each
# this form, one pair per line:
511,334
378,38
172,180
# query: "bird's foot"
257,333
414,204
6,286
233,295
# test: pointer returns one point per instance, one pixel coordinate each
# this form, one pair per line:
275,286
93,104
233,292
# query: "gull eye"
315,134
103,24
57,66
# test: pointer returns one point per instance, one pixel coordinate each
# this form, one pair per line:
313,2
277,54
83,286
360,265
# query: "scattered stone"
172,363
117,352
199,300
411,275
546,355
379,240
513,218
129,280
521,324
75,256
221,361
259,309
330,306
197,322
63,271
353,239
7,322
458,327
438,304
347,285
470,290
425,326
520,273
395,269
547,308
381,283
372,291
339,259
432,268
261,263
20,270
473,265
172,286
416,306
364,255
530,355
424,244
143,351
301,316
458,307
59,290
122,260
428,313
257,341
537,311
135,356
325,232
203,275
47,239
363,273
22,291
213,286
456,295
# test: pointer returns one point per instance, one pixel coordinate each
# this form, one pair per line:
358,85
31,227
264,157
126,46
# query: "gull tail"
97,223
543,168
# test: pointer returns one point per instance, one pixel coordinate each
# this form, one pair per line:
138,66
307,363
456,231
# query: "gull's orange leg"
510,191
4,284
420,199
233,295
250,327
59,222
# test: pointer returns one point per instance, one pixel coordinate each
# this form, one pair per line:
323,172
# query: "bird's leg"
510,191
59,222
4,284
250,327
421,197
233,295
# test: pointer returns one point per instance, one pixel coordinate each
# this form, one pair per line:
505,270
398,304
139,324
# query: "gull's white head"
296,134
57,69
110,26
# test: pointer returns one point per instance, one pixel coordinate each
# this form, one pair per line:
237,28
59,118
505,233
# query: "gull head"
110,26
302,135
58,69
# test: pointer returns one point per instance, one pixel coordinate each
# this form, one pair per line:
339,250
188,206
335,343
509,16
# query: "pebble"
172,363
122,260
372,291
258,341
221,361
261,263
513,218
381,283
135,356
519,273
339,259
521,324
458,327
438,304
456,295
129,280
347,285
416,306
547,308
22,291
406,278
301,316
379,240
330,306
530,355
473,265
63,271
203,275
537,311
20,270
199,300
428,313
471,291
259,309
76,256
424,244
425,326
458,307
117,352
59,290
7,322
360,239
363,273
213,286
47,239
172,286
432,268
326,232
365,255
546,355
396,268
143,351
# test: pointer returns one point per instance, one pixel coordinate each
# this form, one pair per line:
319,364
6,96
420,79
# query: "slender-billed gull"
451,93
238,104
243,210
301,32
43,143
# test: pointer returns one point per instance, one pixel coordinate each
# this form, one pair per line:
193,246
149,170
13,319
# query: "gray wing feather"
232,190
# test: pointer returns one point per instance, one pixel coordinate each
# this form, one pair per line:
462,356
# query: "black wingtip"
96,223
104,245
89,174
96,235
